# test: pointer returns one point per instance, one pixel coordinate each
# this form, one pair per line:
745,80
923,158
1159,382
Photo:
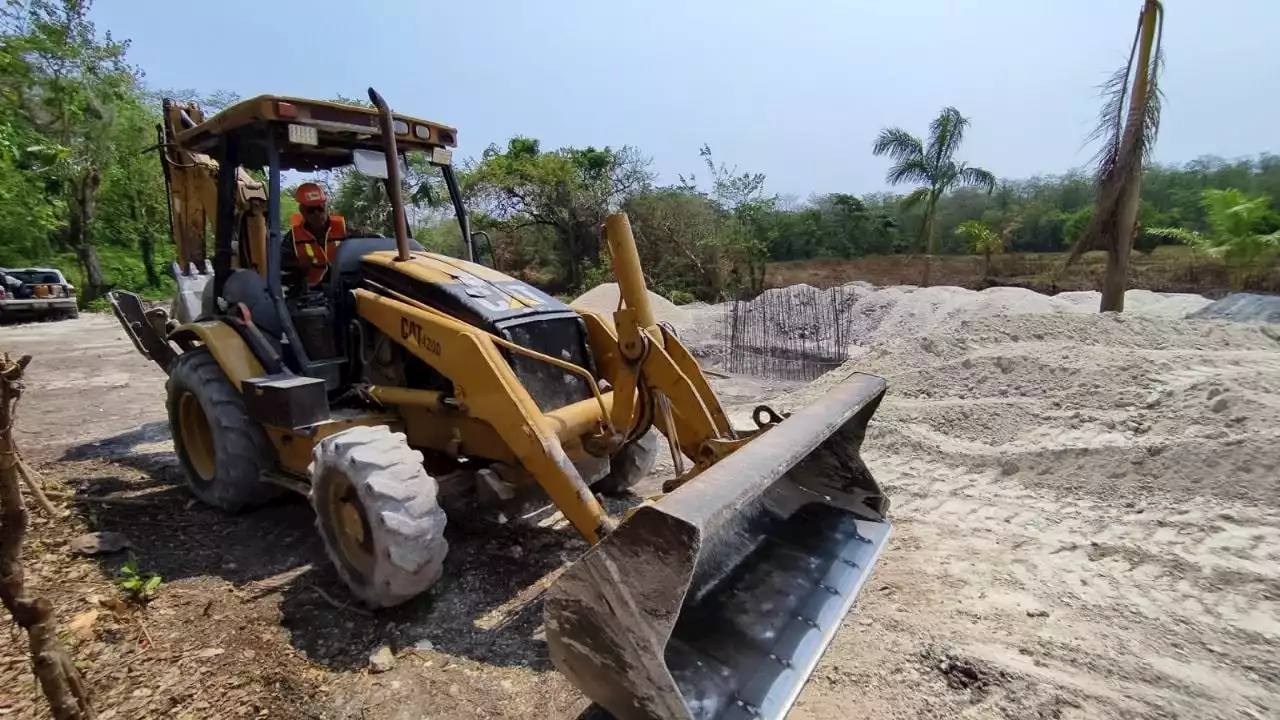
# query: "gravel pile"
1243,307
861,314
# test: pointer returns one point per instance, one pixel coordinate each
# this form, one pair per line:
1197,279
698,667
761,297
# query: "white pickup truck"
35,293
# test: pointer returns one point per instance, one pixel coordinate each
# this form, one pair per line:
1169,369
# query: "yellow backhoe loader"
713,599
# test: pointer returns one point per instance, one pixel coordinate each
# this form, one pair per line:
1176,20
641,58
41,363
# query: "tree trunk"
147,248
1124,233
757,269
586,244
1113,284
83,198
59,679
567,252
146,241
929,242
87,254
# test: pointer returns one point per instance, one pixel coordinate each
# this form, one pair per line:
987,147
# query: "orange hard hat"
310,195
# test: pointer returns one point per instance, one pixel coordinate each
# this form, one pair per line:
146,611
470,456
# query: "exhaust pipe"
386,124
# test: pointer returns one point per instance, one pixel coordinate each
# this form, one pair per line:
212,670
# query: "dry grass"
1167,269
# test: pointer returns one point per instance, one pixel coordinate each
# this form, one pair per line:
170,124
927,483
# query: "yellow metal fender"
229,349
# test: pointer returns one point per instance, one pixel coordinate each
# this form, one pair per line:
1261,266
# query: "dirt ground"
1061,550
1169,268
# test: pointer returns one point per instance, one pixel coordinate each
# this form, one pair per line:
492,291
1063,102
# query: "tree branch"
68,698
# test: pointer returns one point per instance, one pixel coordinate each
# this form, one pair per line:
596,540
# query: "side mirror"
475,252
373,163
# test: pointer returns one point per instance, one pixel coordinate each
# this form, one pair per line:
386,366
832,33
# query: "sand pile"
1054,470
604,299
1140,302
1120,405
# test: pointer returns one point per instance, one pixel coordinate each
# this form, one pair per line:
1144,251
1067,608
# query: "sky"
796,90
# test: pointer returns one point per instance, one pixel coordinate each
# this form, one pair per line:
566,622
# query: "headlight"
422,132
401,127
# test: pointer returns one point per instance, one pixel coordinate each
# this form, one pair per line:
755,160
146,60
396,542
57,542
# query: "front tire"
221,450
377,512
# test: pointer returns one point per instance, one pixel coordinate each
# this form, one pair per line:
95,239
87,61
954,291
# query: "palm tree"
932,166
1128,123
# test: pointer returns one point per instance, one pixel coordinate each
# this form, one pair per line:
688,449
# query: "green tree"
749,228
1241,229
568,191
682,242
66,84
933,166
29,210
844,226
364,201
132,205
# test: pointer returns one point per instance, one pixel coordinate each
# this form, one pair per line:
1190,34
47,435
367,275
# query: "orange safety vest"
311,252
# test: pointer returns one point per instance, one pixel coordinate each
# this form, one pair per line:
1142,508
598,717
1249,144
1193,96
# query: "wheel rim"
197,438
350,524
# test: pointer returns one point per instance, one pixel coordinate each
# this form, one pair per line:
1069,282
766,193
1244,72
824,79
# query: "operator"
311,241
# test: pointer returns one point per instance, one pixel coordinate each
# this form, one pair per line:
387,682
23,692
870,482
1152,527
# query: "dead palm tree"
1129,120
933,166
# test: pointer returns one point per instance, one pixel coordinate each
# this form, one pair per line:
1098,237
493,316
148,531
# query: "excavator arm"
191,182
191,179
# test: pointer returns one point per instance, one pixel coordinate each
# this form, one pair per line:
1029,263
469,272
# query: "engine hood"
470,292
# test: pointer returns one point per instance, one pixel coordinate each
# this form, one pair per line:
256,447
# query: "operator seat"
250,288
344,269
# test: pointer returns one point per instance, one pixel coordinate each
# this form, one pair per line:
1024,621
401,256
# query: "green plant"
1234,221
140,587
680,297
982,240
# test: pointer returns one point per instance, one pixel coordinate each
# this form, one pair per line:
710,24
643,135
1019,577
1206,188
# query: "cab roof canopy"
339,129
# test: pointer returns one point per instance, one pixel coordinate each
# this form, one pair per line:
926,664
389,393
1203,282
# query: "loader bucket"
132,316
718,600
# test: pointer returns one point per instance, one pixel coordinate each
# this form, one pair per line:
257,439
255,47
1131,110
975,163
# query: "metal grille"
559,337
793,333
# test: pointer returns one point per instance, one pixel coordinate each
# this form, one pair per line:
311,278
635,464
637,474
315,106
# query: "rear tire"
222,451
631,464
377,512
